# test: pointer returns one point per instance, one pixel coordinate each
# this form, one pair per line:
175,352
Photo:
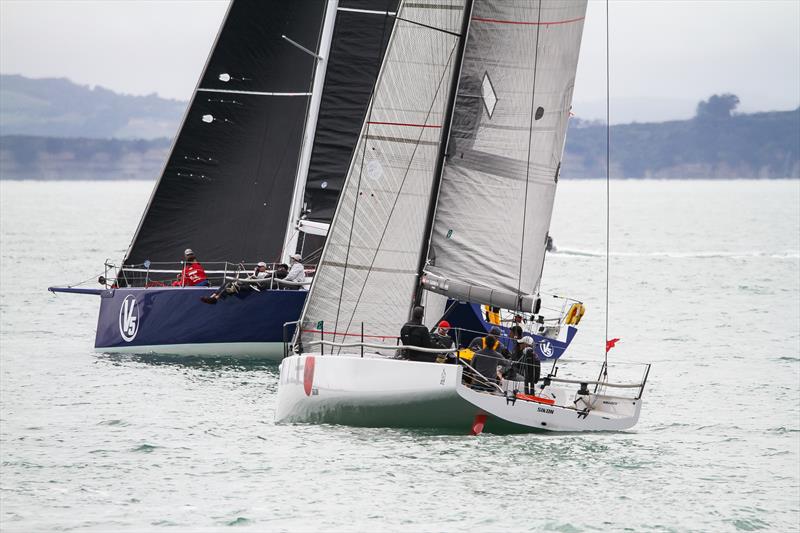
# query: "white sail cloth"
503,158
368,270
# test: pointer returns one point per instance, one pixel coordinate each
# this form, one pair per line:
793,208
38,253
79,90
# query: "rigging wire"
608,191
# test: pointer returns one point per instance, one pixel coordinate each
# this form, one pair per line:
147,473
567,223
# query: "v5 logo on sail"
128,318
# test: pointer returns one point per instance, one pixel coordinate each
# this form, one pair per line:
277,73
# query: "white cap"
526,340
262,264
188,251
296,257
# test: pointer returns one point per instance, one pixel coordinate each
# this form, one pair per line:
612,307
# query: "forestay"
368,269
506,143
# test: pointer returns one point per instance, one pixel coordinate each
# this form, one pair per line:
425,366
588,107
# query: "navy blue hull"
170,320
163,317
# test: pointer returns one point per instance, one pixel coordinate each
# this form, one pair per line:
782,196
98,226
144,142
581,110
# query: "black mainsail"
242,170
227,186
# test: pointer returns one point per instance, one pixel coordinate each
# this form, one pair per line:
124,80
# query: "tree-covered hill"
56,107
716,143
55,129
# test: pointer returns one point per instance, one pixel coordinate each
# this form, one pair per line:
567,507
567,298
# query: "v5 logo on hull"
547,349
128,318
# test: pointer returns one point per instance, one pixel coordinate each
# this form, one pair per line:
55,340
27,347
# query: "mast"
434,196
290,241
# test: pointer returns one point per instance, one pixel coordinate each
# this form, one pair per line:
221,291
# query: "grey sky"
665,54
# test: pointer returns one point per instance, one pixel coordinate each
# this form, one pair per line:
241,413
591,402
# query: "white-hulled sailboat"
449,196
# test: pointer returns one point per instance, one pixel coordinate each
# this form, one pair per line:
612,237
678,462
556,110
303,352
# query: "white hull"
265,351
380,392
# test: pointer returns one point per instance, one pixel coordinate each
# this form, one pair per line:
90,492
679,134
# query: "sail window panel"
369,266
498,184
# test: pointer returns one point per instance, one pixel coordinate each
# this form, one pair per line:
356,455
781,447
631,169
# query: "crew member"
488,362
192,274
281,271
489,341
413,333
441,339
232,287
297,272
516,334
533,367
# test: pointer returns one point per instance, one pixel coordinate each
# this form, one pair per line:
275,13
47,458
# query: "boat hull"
174,321
250,325
379,392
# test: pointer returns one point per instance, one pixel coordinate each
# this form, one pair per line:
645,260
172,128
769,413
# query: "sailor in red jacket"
193,273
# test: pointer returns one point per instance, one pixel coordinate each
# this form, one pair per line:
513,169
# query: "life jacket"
494,346
492,315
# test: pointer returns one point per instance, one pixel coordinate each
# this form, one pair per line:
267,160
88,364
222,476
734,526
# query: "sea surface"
704,284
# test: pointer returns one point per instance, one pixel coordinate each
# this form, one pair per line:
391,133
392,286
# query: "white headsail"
369,268
504,154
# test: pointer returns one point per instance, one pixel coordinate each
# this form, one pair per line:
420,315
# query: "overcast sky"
665,54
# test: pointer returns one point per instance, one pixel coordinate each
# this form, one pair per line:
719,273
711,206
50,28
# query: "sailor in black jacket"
413,333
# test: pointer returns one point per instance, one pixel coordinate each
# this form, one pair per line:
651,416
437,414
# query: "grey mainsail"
504,153
482,239
369,267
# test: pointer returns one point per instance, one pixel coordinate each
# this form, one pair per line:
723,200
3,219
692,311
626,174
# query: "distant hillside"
59,108
48,158
716,143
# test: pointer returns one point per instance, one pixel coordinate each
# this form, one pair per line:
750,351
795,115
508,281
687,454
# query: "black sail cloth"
360,36
227,186
228,183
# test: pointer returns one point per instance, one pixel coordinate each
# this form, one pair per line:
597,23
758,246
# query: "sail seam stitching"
526,23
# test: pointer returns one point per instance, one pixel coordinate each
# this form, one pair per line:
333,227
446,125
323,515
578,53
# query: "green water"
705,284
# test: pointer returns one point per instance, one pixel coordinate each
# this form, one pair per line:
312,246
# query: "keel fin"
477,424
